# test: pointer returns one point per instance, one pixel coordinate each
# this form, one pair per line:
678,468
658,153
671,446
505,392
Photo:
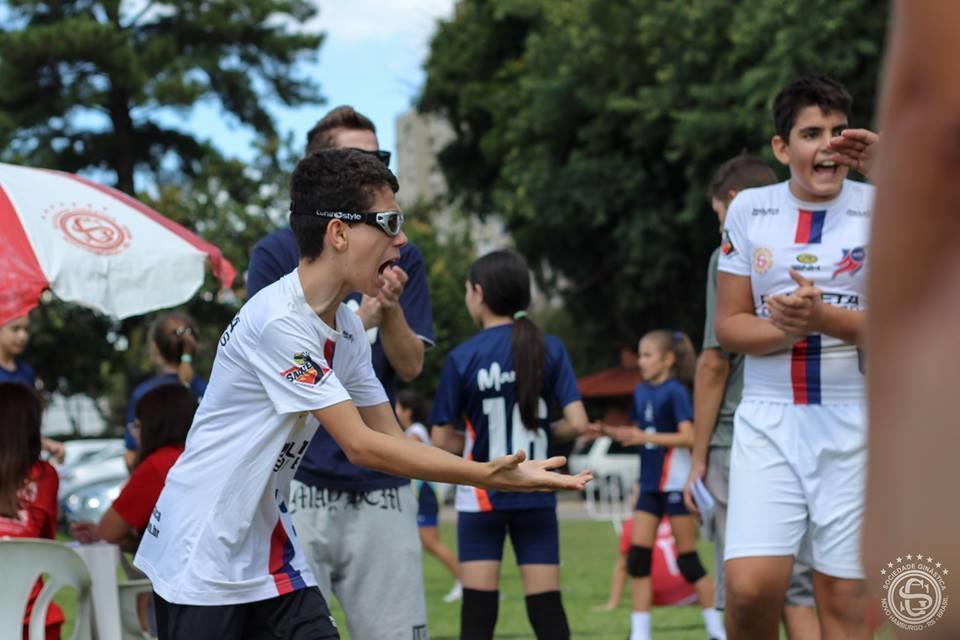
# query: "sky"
370,58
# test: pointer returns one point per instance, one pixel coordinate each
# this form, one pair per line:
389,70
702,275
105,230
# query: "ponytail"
175,337
528,354
684,355
188,347
504,278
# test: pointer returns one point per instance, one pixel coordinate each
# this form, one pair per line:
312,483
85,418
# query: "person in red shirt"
28,485
163,418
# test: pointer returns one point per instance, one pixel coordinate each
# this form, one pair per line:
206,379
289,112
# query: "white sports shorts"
796,468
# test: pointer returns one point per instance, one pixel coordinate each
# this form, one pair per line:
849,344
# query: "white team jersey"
220,533
769,231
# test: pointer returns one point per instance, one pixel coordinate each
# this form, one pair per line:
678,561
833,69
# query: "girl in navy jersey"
663,426
492,399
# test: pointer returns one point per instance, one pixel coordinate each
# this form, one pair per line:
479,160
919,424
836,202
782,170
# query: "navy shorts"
427,507
533,533
662,503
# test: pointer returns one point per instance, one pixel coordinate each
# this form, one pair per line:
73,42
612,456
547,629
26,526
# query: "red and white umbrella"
95,246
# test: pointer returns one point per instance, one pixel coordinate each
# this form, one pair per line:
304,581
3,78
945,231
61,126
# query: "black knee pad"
690,567
639,560
547,617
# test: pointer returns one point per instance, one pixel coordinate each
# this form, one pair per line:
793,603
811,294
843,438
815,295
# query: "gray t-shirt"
723,434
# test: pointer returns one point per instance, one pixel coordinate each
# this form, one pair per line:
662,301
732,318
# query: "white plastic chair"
23,561
130,592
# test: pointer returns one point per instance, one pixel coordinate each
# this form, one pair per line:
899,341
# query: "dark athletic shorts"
300,615
662,503
533,532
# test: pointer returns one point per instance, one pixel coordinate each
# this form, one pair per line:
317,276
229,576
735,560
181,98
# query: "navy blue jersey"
477,395
22,373
198,386
659,409
325,464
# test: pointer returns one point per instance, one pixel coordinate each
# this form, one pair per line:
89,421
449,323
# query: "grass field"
587,550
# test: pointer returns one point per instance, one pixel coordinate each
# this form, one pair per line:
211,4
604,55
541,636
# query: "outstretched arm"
374,449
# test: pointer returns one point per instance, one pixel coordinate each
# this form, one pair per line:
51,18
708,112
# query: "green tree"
447,262
84,80
593,127
89,86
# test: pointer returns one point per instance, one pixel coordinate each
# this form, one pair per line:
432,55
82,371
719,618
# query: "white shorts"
796,468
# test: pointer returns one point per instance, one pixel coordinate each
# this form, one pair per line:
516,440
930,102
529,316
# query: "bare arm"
111,528
374,449
634,435
447,438
914,293
739,329
573,424
709,383
404,349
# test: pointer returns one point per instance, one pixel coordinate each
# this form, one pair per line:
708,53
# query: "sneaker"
456,593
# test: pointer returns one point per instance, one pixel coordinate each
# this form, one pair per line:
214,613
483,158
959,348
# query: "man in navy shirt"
353,522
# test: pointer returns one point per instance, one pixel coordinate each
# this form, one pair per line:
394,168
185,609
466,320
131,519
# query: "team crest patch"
762,260
851,262
305,370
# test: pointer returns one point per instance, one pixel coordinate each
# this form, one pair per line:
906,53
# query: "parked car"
615,467
91,476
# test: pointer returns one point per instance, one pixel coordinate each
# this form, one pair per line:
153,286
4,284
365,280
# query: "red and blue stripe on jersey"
285,576
810,226
805,359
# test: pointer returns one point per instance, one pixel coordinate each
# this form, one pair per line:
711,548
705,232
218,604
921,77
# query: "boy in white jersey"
791,297
220,549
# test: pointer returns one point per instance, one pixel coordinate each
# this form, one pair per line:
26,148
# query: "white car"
91,476
615,467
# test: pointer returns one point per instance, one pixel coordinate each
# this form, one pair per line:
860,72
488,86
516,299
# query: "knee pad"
639,560
690,567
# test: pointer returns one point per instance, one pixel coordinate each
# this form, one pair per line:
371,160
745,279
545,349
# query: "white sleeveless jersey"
220,533
769,231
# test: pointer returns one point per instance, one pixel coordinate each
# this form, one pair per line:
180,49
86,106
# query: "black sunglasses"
390,222
382,155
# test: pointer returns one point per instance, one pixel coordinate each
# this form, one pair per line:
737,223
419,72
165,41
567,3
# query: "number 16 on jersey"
501,441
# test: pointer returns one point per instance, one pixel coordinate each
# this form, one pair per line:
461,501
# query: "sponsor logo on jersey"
807,262
851,262
304,370
762,259
494,377
761,211
845,300
860,213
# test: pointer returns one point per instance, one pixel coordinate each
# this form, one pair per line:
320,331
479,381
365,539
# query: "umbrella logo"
94,231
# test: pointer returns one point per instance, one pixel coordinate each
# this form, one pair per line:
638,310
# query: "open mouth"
385,266
827,168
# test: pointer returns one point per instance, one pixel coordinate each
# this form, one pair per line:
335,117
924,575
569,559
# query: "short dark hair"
816,90
410,399
342,117
333,180
165,414
744,171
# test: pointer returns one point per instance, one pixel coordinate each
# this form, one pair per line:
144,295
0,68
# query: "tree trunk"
124,144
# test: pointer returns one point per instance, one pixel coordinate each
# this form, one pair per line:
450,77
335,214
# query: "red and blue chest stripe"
810,226
805,359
